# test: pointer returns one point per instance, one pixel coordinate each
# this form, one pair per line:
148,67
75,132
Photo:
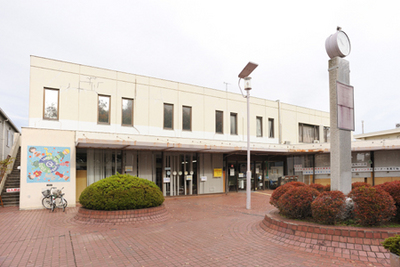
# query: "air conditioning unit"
316,141
287,142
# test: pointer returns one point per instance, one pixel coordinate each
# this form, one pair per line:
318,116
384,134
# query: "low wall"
348,242
149,215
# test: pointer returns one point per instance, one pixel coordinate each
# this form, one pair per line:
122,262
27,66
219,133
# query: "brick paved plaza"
201,231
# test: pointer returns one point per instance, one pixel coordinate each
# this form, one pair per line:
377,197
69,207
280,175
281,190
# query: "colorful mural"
48,164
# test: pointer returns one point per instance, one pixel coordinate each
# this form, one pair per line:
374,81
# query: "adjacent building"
7,131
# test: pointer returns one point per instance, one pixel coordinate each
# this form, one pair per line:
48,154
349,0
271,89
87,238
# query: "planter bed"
348,242
149,215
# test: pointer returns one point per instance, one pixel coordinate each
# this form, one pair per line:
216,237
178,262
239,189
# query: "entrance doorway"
180,174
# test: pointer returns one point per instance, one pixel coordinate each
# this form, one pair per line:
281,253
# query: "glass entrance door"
180,174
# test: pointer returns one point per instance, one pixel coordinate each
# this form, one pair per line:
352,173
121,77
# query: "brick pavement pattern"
200,231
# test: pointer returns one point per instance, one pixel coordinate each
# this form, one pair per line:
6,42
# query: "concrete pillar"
340,139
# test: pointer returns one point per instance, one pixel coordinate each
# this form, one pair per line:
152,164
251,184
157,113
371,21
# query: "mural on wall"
48,164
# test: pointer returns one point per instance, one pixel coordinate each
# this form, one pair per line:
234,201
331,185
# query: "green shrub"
121,192
392,244
372,206
296,203
282,190
328,206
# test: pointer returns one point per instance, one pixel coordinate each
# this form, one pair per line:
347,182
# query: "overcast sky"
207,43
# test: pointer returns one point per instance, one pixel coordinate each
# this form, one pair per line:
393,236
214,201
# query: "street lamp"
244,74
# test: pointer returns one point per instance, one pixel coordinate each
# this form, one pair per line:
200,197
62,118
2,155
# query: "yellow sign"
217,172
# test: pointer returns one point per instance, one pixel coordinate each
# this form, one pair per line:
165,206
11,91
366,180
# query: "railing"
13,154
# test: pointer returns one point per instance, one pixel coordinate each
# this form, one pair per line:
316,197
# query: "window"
168,116
10,137
186,118
104,109
271,130
308,133
219,121
233,123
127,112
327,134
259,126
50,107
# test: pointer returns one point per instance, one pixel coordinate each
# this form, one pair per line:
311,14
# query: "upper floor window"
168,116
233,123
219,121
259,126
104,109
127,112
271,130
308,133
186,118
50,107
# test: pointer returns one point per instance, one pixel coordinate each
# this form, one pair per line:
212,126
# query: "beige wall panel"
126,77
163,83
323,181
183,87
381,180
54,64
98,72
30,194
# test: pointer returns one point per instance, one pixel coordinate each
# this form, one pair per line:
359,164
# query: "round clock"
338,45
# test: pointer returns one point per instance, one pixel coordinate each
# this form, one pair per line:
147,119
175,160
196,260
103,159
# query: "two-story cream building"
87,123
187,139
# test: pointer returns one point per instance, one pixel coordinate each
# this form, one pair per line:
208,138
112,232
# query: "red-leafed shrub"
282,190
321,188
393,188
327,187
372,206
358,184
296,203
328,206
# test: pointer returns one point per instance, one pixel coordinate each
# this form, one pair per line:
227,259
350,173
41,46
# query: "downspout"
279,122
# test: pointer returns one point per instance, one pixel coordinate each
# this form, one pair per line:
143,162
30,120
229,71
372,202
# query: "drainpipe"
279,122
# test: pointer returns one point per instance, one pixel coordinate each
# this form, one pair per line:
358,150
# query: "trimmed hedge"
359,184
393,188
328,207
121,192
372,206
281,190
296,203
321,188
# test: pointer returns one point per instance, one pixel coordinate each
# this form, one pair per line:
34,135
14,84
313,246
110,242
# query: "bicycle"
54,197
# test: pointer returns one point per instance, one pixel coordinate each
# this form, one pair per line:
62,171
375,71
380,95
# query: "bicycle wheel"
46,202
61,202
65,204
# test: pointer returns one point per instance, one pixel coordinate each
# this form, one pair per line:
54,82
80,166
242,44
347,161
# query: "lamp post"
244,74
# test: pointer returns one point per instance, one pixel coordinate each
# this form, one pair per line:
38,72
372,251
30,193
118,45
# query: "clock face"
343,43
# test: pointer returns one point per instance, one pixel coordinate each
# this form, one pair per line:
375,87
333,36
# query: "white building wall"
80,86
31,193
209,162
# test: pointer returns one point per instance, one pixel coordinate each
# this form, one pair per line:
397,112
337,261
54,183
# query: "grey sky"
208,43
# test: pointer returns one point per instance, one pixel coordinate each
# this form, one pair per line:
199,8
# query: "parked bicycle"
53,198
